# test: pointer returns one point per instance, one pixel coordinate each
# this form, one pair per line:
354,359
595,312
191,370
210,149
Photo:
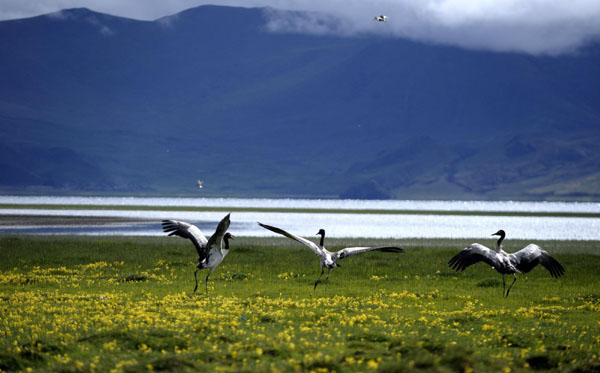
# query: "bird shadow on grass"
541,362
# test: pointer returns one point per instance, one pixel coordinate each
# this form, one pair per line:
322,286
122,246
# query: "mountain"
95,103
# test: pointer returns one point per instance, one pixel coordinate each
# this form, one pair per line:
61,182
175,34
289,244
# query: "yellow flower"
372,364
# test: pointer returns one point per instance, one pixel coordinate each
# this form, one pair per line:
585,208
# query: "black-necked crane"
327,258
211,252
522,261
380,18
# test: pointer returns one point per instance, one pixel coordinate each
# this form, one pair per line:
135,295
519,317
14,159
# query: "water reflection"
336,225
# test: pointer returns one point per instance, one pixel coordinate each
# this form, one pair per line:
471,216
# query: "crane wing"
186,230
215,240
472,254
532,255
357,250
313,246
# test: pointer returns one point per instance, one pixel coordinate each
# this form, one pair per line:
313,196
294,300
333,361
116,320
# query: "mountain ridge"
210,93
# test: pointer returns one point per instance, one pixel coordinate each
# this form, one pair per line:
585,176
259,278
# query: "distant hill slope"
92,102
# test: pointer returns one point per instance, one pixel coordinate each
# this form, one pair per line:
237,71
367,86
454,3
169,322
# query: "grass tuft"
133,278
489,283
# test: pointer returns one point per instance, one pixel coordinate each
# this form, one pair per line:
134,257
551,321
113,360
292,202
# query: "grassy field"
125,304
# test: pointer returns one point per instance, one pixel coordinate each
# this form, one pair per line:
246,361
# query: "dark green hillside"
92,102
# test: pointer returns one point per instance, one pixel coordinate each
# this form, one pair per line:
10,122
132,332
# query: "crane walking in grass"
522,261
327,258
211,252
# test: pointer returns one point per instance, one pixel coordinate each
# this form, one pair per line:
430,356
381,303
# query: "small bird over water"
522,261
380,18
200,183
327,258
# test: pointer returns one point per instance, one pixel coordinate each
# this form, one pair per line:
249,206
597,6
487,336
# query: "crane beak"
496,234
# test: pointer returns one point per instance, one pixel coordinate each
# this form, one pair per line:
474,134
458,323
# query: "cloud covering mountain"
536,26
502,25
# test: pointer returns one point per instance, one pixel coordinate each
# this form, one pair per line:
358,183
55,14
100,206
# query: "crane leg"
511,285
503,286
206,281
196,277
327,279
319,279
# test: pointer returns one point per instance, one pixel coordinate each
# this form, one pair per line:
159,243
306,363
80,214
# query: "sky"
530,26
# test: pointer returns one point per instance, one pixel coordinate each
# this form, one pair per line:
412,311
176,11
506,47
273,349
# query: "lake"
346,224
349,204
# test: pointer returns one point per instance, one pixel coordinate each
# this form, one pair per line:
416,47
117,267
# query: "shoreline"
293,210
46,220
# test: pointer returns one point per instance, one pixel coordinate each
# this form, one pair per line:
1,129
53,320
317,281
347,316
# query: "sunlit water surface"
350,204
335,224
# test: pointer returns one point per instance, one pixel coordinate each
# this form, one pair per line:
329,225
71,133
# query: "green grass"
125,303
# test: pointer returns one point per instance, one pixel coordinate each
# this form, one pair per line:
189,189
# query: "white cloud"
106,31
92,20
533,26
305,22
59,15
168,21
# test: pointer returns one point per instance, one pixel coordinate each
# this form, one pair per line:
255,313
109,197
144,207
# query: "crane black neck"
499,244
226,240
322,234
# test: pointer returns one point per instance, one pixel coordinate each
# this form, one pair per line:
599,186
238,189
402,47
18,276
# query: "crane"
211,252
327,258
522,261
